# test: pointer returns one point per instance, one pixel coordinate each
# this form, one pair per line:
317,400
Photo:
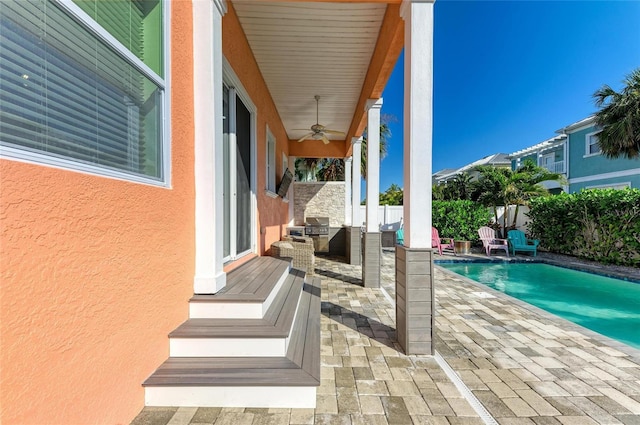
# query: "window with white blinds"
73,98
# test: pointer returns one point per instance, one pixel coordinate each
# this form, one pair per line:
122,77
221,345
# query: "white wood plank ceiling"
312,48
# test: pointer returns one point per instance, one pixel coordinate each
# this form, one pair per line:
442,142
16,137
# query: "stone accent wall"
319,199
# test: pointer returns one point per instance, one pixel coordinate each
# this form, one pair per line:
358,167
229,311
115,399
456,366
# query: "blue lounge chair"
400,236
519,242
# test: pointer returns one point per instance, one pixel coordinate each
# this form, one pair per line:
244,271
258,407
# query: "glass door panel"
243,177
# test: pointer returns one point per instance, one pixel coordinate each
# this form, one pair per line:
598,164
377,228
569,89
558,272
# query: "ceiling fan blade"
325,140
342,133
306,136
299,129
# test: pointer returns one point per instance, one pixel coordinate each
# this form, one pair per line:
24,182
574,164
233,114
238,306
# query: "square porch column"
354,244
372,243
347,192
209,210
415,304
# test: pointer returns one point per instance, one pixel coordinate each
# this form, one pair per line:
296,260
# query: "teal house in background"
575,152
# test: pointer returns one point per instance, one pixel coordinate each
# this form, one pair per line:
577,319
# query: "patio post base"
415,306
353,245
371,253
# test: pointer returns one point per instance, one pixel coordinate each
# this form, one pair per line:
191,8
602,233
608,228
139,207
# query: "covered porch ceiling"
343,51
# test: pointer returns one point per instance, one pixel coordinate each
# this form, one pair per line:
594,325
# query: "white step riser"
235,310
205,310
259,397
228,347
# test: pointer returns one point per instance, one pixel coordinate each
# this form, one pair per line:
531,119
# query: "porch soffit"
326,48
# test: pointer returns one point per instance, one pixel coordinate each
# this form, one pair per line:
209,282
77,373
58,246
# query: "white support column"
418,121
207,78
347,191
372,245
415,305
290,195
354,242
356,221
373,107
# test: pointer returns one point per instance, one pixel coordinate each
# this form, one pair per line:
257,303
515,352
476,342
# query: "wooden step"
249,292
243,337
287,381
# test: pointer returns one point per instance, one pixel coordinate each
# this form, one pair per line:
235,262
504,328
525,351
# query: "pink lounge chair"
489,240
441,243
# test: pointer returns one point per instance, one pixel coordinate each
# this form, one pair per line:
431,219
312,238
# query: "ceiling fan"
318,131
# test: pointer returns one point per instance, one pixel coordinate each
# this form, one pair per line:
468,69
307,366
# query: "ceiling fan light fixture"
318,131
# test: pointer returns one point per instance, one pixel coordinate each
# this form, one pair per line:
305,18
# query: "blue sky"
507,74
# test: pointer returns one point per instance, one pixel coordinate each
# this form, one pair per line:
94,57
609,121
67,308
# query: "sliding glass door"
237,175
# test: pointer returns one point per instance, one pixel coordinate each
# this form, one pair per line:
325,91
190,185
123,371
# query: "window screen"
67,94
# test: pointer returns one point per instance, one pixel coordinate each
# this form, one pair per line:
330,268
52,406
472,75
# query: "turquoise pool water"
603,304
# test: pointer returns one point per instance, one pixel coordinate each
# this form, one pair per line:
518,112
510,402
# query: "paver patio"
524,365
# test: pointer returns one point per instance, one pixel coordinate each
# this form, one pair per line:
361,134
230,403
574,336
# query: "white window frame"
41,158
587,145
617,186
270,154
544,156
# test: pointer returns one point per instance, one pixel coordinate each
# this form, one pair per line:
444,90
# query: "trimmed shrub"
597,224
460,219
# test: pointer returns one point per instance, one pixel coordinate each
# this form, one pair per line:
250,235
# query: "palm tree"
305,167
502,186
619,118
437,192
385,134
460,187
331,169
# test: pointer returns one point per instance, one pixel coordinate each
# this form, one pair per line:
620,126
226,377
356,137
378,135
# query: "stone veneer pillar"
415,306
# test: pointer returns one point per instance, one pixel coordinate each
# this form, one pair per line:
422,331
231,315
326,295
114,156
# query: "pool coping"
587,268
620,346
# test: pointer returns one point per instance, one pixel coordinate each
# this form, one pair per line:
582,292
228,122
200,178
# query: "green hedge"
598,224
459,219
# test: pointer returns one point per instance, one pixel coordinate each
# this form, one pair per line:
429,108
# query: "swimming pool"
606,305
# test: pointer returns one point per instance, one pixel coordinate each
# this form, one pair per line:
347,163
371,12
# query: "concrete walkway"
524,365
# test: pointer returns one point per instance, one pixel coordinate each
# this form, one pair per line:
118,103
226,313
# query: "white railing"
555,167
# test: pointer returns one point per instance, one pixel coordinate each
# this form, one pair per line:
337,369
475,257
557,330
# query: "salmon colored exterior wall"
95,273
273,213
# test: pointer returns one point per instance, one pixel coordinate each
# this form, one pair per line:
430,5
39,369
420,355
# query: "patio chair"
519,242
441,243
400,236
299,250
489,240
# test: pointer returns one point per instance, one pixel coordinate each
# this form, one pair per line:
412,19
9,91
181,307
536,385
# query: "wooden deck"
252,282
293,315
276,322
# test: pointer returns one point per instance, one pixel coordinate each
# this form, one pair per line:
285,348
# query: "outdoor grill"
317,228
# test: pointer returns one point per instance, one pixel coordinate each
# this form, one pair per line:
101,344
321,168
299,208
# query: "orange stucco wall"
95,273
272,212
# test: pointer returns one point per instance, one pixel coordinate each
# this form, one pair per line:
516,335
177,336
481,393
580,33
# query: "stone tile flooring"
524,366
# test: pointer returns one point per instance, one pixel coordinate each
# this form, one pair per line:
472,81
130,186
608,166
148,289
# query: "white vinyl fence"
391,216
521,222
